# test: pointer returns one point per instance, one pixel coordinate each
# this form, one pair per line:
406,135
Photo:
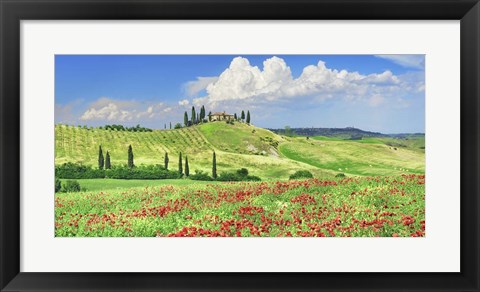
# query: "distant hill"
346,133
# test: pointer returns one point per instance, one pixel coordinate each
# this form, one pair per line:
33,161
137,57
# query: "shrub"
58,185
301,174
252,178
141,172
200,175
242,172
71,186
228,176
239,175
341,174
77,171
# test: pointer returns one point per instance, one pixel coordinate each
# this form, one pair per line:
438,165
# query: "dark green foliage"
77,171
214,167
71,186
200,175
170,125
101,161
58,185
185,119
248,117
239,175
209,116
178,126
243,116
141,172
228,176
130,157
202,113
108,165
194,115
166,161
242,172
235,116
187,169
137,128
301,174
341,174
180,169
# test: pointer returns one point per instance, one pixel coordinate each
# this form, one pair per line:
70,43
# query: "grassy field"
264,153
371,156
356,207
105,184
74,144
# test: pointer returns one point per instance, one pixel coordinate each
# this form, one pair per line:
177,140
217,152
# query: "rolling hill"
264,153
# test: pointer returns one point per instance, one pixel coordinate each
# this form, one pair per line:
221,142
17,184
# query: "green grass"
358,207
80,145
264,153
370,157
105,184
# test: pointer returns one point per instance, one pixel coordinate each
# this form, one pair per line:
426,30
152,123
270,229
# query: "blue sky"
380,93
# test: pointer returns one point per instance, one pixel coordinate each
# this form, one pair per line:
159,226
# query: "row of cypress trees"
187,167
242,117
105,162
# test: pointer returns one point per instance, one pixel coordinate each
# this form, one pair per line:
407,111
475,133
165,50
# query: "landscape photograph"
239,146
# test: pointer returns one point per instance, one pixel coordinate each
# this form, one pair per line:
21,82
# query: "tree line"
105,162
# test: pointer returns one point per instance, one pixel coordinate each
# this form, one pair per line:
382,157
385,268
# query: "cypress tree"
209,116
100,157
108,165
130,157
187,169
185,119
165,126
198,118
243,115
180,170
194,115
248,117
235,116
170,125
202,113
166,160
214,168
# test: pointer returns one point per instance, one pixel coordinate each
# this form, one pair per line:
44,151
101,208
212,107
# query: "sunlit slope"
241,138
369,157
74,144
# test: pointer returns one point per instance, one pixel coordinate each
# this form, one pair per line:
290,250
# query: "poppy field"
389,206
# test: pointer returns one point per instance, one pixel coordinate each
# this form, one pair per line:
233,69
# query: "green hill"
235,145
362,157
264,153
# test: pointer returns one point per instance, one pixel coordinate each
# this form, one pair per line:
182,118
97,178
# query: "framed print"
273,145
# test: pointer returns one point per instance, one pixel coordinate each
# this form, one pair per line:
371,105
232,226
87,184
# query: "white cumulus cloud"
194,87
242,83
113,110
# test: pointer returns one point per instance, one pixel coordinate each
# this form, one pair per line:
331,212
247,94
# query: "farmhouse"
219,116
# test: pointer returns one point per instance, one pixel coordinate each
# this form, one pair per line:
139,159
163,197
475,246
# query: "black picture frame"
13,11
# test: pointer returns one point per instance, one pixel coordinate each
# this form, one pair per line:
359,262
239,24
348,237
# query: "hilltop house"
218,116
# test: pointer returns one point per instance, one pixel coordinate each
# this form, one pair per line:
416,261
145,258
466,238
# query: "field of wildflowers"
392,206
